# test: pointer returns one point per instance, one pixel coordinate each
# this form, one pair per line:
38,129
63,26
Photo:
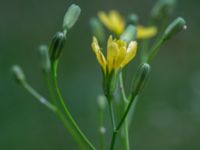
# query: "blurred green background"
168,113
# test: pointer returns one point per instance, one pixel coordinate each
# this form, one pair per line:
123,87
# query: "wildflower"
113,21
116,23
118,54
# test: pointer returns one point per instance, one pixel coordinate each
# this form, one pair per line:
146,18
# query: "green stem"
40,98
49,86
125,113
50,106
112,115
132,111
154,50
124,133
121,84
101,130
127,145
81,137
121,121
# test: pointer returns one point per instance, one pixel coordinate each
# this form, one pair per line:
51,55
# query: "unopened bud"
71,16
132,19
162,9
56,46
18,73
44,56
141,78
97,29
129,34
174,28
101,102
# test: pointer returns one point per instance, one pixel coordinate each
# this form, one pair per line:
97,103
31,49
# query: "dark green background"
168,113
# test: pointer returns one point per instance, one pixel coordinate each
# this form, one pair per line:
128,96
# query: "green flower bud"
162,9
97,29
174,28
71,16
129,34
18,73
132,19
140,78
56,46
101,102
44,56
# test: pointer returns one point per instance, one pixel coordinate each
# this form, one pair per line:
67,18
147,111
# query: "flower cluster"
121,48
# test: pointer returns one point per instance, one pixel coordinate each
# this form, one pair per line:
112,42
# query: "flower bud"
44,56
174,28
129,34
132,19
18,73
162,9
71,16
97,29
57,45
140,78
101,102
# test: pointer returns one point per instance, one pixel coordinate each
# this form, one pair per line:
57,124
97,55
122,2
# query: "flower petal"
112,53
100,57
130,53
121,53
146,32
104,18
118,23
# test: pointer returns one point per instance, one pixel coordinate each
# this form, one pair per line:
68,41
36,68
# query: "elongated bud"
132,19
56,46
71,16
97,29
129,34
101,102
174,28
162,9
18,73
141,78
44,56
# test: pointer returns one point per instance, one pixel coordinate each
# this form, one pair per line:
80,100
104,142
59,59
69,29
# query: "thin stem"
124,133
112,115
126,113
132,111
81,136
127,145
49,86
113,139
50,106
40,98
113,124
101,130
145,44
154,50
121,84
121,121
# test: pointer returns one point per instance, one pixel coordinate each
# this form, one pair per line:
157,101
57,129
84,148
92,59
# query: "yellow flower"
118,54
113,21
116,23
146,32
